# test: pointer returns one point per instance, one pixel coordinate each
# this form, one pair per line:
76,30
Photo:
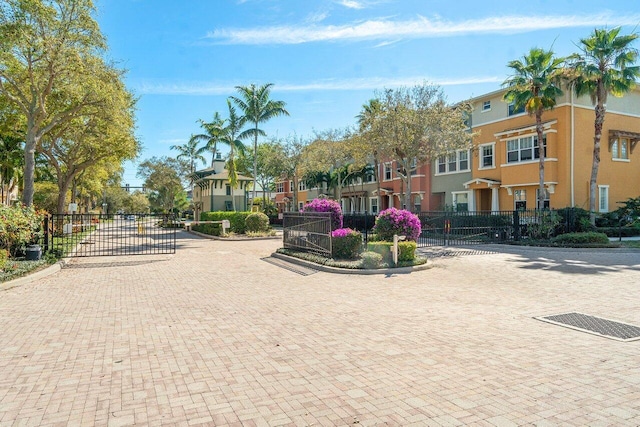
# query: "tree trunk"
255,162
377,178
31,141
539,131
599,122
63,188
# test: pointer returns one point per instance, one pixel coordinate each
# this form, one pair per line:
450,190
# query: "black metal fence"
308,231
108,235
464,228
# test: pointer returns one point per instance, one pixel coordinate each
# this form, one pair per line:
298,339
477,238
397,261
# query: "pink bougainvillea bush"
326,205
397,221
346,243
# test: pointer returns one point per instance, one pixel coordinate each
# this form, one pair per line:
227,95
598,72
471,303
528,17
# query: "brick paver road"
213,335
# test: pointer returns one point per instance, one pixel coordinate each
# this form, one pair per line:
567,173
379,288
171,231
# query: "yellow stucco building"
504,167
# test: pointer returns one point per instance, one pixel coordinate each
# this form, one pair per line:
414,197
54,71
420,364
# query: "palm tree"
191,153
258,108
211,136
535,85
604,67
232,135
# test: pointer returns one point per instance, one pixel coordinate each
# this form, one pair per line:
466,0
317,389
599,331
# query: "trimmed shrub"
576,219
210,229
326,205
236,219
397,221
406,250
346,243
257,222
588,238
371,260
620,231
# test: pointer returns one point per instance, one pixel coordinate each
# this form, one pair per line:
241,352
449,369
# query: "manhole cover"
304,271
595,325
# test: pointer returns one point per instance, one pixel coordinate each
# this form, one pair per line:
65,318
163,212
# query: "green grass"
630,244
20,267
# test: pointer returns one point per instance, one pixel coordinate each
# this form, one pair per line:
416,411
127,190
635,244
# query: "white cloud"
420,27
200,88
351,4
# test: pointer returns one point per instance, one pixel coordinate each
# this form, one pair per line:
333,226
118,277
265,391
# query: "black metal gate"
82,235
307,231
466,228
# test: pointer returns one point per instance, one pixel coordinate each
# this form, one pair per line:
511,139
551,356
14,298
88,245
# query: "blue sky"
325,57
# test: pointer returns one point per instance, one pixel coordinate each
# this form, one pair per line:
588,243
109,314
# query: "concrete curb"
32,277
336,270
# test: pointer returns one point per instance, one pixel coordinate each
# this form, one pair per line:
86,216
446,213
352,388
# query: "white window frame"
516,198
519,140
547,198
280,187
454,195
386,166
617,150
511,109
603,202
373,202
302,186
486,106
446,160
481,148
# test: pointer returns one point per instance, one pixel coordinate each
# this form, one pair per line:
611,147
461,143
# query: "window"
370,177
302,186
520,199
300,205
513,110
387,171
453,162
545,203
524,149
461,201
486,156
603,198
620,149
486,106
280,187
228,190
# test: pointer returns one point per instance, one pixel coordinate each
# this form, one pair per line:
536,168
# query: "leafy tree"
45,196
50,68
257,107
162,179
290,168
271,156
211,136
535,85
106,135
232,136
415,126
11,164
605,66
136,202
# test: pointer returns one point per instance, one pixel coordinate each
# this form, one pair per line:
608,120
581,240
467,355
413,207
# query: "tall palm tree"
605,66
211,136
535,85
232,136
191,153
258,108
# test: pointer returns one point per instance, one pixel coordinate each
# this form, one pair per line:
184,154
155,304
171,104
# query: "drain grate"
595,325
304,271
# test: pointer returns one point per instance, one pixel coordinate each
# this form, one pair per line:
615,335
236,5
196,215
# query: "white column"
472,200
495,205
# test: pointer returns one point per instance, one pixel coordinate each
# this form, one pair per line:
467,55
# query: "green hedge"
619,231
236,219
210,229
406,250
581,238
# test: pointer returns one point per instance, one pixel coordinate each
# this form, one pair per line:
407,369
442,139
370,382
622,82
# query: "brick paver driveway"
214,335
